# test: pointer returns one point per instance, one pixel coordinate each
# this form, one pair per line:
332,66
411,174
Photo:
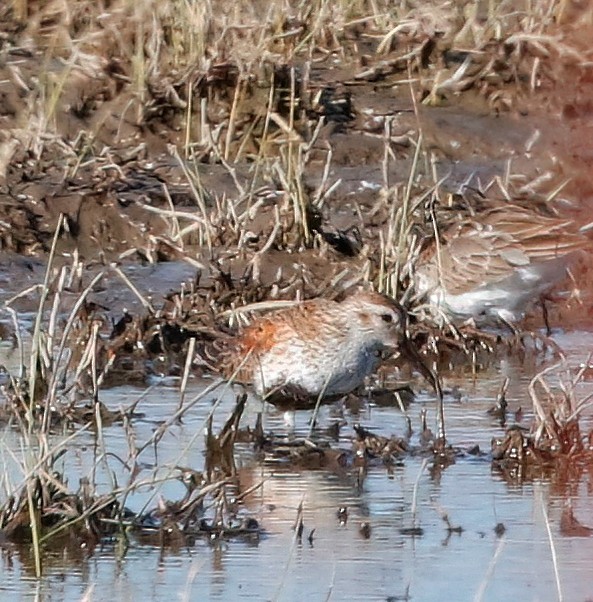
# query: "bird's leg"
542,301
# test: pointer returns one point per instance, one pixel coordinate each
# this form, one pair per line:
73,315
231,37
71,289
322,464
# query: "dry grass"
101,90
234,80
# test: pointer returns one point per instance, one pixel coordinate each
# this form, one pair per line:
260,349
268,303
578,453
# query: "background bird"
495,264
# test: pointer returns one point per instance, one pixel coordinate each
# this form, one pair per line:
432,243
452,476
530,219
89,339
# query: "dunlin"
316,348
495,264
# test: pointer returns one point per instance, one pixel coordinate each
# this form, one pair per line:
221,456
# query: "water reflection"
504,534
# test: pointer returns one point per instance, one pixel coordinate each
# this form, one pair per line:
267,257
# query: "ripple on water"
342,561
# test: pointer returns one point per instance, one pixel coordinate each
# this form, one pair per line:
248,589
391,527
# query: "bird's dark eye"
387,318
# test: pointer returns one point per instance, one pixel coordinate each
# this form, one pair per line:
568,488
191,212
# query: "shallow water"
533,558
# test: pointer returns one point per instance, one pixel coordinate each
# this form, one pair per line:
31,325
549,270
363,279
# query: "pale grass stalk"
52,386
288,129
93,353
175,229
34,531
313,420
174,214
505,182
309,146
58,88
49,478
198,194
393,223
186,370
479,595
24,293
553,553
232,119
363,276
36,339
386,153
328,192
247,135
555,192
139,75
247,492
541,181
291,550
101,439
585,403
19,340
414,504
293,176
233,173
54,313
145,302
405,217
76,271
188,119
301,199
204,125
261,150
259,306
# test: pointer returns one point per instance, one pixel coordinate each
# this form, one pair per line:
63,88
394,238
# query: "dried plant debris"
368,445
121,147
367,449
106,347
90,518
206,511
304,453
46,505
212,504
555,442
220,448
282,157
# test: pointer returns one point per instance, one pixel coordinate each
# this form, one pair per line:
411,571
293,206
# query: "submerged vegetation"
283,151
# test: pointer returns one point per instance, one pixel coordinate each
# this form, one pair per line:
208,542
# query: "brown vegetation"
284,151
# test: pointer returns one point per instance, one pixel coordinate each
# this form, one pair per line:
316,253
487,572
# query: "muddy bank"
199,160
100,153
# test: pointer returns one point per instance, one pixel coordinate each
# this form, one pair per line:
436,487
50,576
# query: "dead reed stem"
36,339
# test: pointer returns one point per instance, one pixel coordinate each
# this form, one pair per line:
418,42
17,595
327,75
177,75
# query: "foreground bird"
494,265
318,348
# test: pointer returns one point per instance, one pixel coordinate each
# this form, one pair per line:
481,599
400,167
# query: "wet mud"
137,220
